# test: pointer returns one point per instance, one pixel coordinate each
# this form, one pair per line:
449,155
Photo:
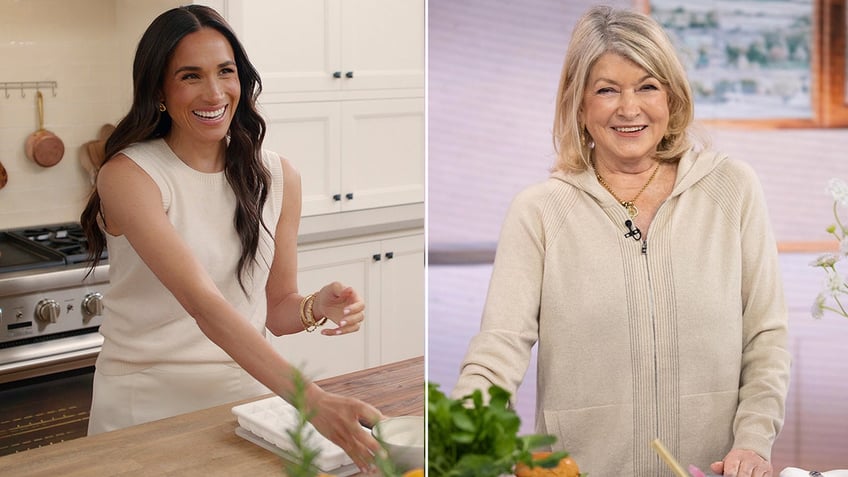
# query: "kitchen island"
204,443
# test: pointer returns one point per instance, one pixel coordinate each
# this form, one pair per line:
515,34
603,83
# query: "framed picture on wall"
761,63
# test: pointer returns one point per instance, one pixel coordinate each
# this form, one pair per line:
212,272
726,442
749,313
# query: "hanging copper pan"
42,146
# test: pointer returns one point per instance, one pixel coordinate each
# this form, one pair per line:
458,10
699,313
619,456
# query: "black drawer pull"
376,257
390,255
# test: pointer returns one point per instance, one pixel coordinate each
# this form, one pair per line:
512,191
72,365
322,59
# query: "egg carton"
265,423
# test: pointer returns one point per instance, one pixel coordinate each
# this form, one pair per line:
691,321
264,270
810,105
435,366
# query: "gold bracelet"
312,314
307,320
307,317
302,306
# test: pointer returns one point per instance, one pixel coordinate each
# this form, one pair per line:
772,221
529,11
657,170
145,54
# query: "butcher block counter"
204,443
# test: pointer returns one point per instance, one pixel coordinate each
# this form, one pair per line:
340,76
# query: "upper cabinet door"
293,43
309,46
309,135
382,153
382,44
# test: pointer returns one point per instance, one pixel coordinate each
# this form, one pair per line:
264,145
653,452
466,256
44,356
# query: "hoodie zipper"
653,314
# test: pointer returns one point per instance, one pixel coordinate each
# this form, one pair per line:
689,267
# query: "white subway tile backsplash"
77,44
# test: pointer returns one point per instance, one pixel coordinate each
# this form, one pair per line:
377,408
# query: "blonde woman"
646,271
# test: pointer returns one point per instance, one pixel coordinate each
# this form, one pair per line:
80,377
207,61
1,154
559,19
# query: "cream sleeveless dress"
155,361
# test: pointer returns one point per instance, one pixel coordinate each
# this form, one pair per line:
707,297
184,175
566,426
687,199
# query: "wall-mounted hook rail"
24,85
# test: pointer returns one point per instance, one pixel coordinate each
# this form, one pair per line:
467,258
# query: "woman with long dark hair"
201,225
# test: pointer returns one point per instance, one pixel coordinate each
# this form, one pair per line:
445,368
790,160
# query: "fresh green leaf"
468,438
463,422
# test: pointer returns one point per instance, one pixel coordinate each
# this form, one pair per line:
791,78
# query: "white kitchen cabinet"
343,95
352,155
332,45
401,288
388,273
309,134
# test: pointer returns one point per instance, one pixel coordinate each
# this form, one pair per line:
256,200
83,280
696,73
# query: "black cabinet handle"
390,255
376,257
349,195
337,74
349,74
337,197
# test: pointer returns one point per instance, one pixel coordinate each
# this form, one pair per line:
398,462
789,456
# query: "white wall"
86,46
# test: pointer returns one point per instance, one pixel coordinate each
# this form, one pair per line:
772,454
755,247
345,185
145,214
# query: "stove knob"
47,310
92,304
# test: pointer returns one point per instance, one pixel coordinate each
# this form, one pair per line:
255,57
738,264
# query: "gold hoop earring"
162,107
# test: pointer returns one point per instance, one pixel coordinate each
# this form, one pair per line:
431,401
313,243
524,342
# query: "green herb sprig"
467,438
300,462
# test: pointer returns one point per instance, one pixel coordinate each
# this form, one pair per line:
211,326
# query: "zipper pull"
644,247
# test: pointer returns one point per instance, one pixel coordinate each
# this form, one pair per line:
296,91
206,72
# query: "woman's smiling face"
201,87
624,109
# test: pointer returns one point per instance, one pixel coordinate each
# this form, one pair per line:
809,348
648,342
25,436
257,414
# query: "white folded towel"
796,472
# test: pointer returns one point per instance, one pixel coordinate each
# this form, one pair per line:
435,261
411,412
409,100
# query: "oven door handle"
48,357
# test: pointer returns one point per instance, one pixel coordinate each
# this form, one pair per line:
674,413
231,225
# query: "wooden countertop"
204,442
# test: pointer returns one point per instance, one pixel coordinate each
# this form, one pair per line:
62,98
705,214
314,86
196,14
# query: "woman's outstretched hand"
742,463
342,306
340,419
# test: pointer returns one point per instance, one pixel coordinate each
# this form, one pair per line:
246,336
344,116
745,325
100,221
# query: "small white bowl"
403,438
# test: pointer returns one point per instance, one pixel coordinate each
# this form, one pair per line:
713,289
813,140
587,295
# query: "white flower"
835,284
827,260
839,190
818,307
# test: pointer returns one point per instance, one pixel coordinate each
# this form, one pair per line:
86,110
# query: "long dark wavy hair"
243,167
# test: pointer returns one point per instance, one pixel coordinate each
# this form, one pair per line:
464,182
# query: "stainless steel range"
50,313
49,310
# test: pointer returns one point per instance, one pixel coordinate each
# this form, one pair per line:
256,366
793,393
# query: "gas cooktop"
44,246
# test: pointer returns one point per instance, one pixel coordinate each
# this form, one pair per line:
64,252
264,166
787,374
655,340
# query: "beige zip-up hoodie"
681,337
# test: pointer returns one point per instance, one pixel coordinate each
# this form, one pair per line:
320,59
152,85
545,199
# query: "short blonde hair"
640,39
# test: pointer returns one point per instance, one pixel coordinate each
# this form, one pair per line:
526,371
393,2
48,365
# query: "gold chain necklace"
629,205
